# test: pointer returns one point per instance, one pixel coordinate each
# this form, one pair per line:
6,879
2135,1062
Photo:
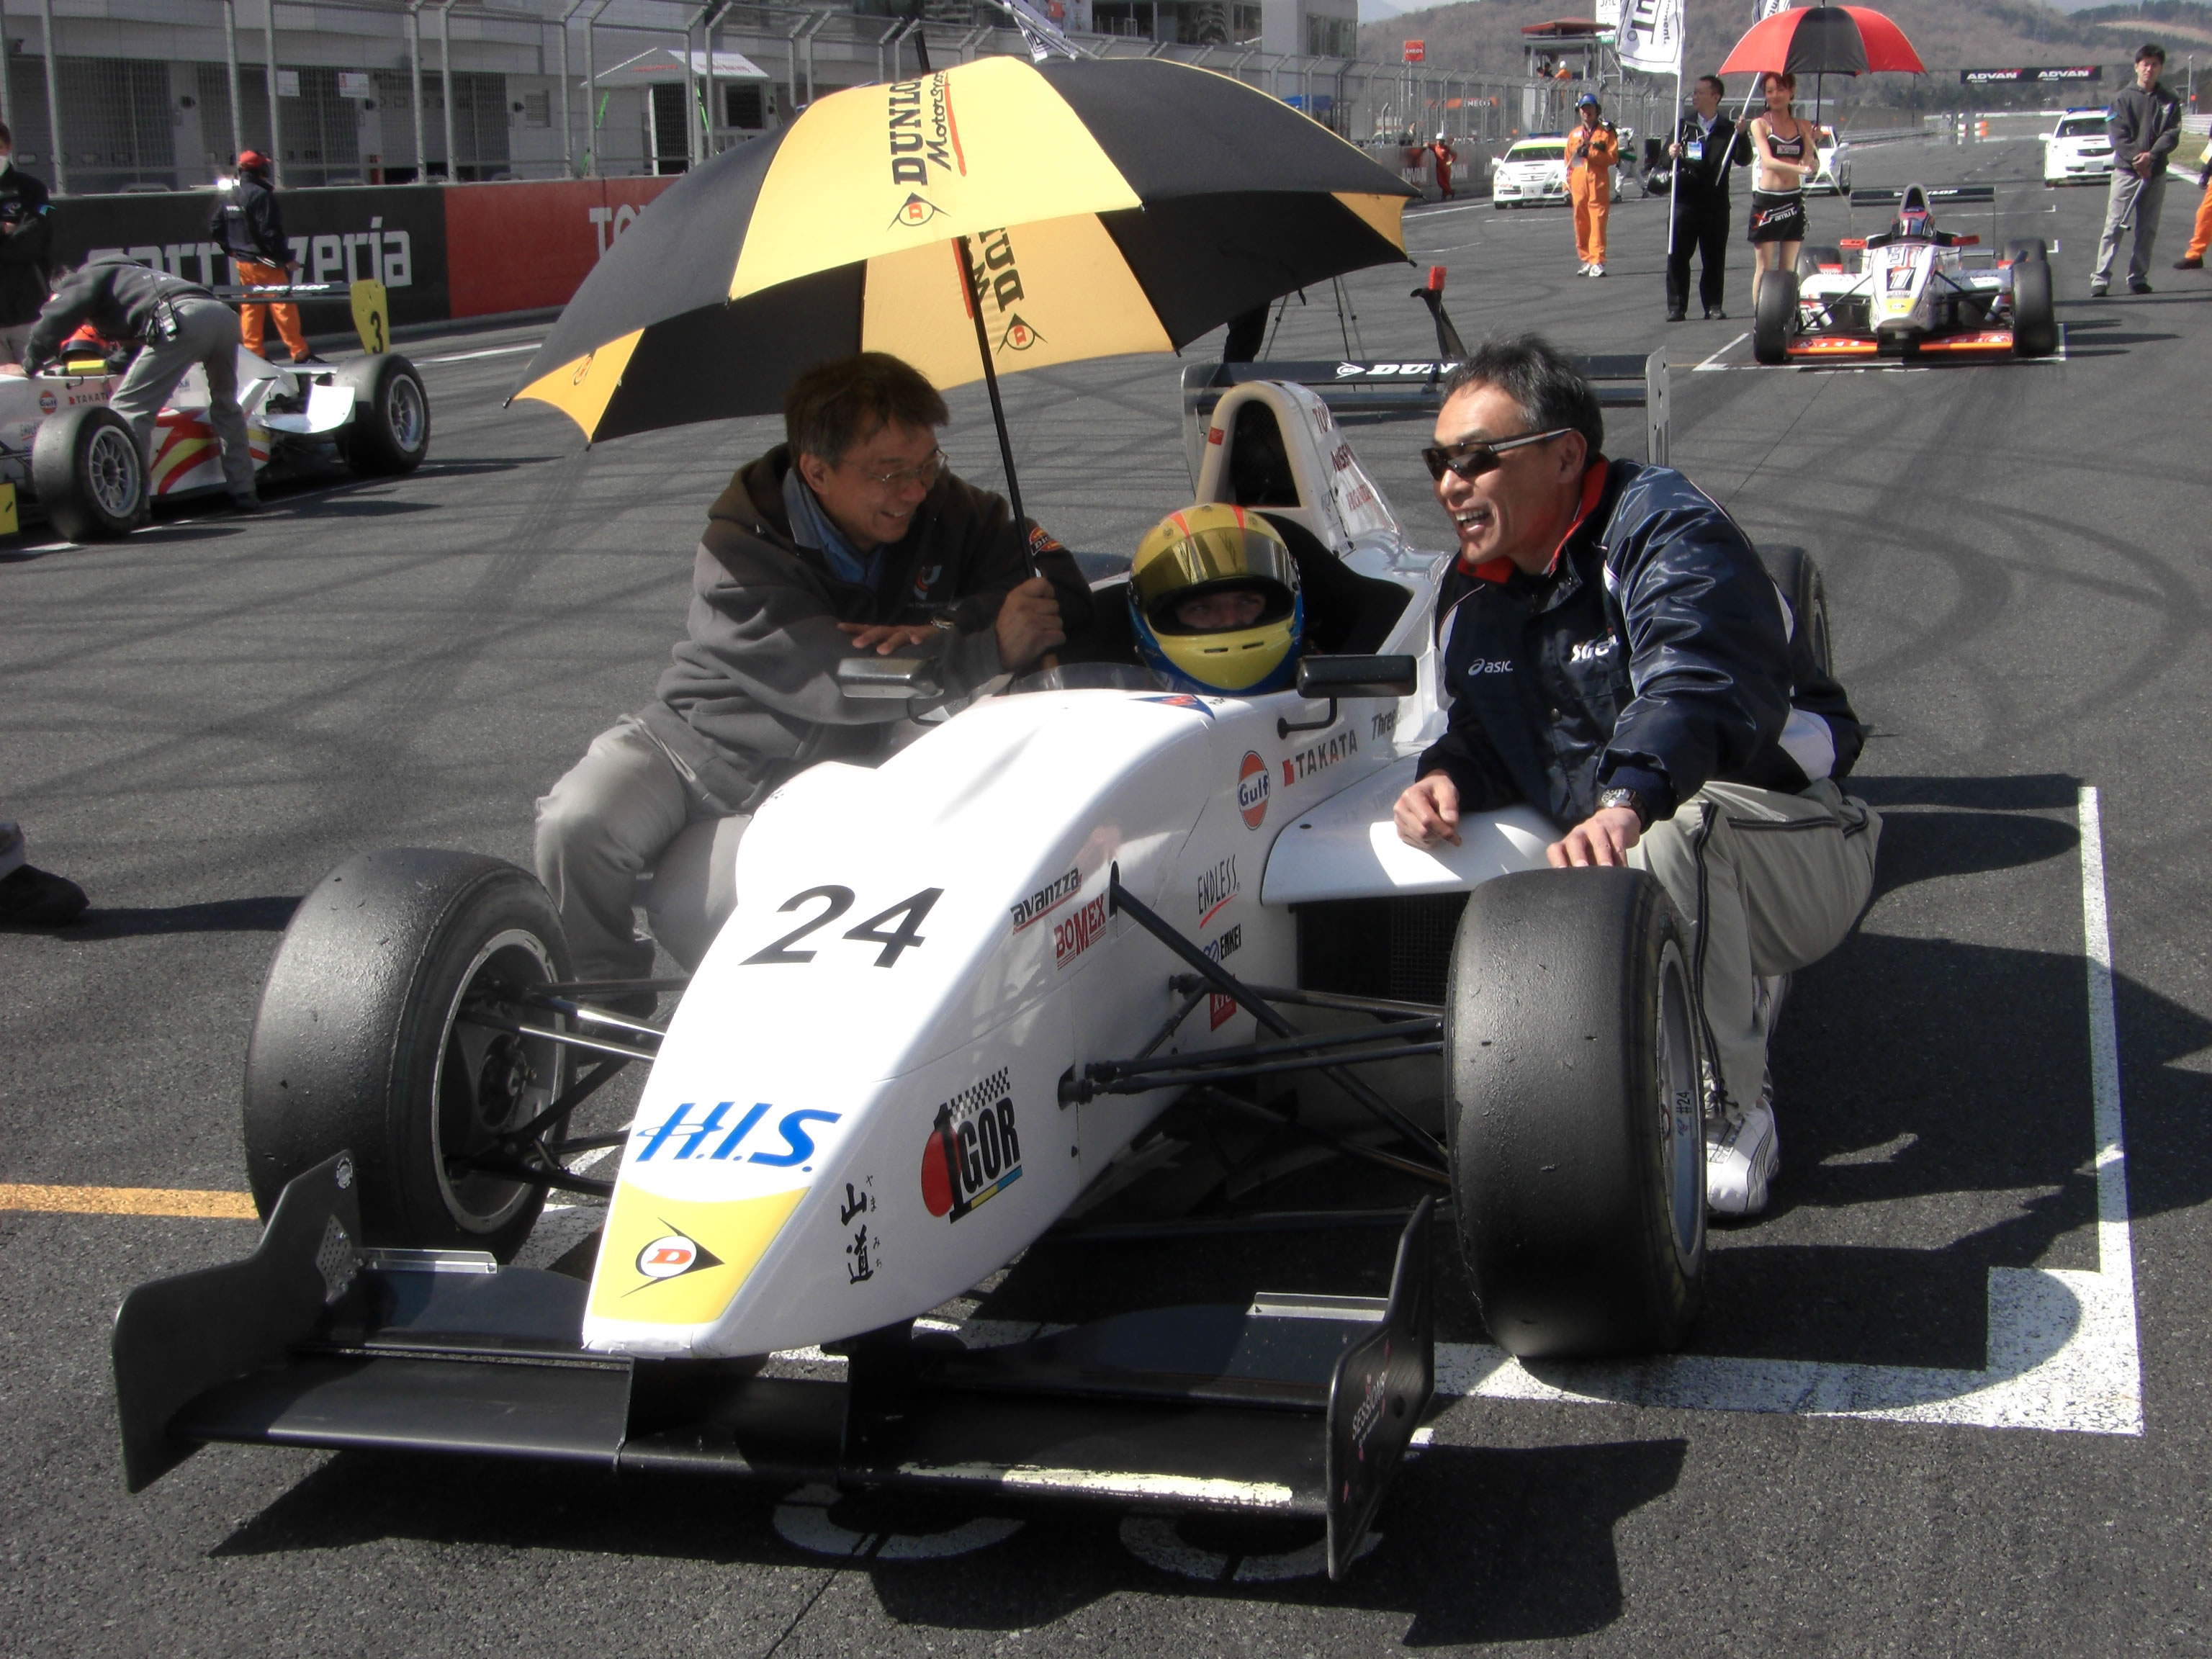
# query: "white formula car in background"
909,1055
1911,291
64,451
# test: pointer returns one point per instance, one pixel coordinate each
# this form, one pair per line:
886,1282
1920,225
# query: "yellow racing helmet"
1194,554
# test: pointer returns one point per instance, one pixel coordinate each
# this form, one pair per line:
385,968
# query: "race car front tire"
89,474
2034,322
1571,1050
1775,317
2027,249
390,432
364,1043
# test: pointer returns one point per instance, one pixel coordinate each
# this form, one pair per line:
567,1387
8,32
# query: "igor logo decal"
1254,784
682,1138
671,1255
974,1152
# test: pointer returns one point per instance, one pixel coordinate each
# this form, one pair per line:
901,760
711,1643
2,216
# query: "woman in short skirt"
1788,151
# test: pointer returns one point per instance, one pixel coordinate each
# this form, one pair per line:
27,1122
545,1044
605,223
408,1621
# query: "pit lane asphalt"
204,720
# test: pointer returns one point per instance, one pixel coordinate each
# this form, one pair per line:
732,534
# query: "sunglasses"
925,475
1473,460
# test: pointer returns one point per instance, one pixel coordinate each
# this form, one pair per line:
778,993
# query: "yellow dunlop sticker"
673,1261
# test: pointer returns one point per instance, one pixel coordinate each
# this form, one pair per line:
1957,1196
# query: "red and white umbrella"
1823,41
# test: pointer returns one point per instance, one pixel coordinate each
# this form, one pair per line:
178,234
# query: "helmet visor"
1210,560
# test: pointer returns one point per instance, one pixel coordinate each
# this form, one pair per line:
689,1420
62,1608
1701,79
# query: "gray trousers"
1769,882
622,811
2143,199
14,341
207,334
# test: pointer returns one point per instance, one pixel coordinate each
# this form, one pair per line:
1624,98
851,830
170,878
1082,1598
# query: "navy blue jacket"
1657,654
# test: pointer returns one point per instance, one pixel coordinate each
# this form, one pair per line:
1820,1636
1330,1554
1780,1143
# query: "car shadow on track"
265,914
1476,1544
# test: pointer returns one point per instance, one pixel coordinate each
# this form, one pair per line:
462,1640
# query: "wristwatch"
1630,799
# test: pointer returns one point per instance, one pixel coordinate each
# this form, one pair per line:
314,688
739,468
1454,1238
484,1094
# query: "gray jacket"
120,297
750,694
2140,121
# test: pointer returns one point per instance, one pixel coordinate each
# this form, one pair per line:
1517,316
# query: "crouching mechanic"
1615,654
851,535
174,324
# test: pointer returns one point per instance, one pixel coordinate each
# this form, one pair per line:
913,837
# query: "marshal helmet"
1212,552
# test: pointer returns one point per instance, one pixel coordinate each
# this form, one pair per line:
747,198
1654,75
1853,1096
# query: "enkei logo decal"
973,1152
1297,768
1216,887
1254,784
1219,1009
1072,938
687,1138
671,1255
923,135
1049,898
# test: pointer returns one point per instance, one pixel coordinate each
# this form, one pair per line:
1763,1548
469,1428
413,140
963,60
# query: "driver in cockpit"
1216,602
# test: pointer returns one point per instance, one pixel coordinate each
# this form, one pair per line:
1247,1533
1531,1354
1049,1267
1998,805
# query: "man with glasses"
1615,654
852,536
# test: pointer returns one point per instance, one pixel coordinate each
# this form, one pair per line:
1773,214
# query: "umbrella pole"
969,275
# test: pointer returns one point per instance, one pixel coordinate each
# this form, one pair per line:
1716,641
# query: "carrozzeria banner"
441,251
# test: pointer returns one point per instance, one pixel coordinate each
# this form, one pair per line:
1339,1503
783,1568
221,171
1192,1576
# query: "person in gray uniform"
175,324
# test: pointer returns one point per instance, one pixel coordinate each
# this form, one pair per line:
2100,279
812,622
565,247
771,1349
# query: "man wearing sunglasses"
851,535
1615,654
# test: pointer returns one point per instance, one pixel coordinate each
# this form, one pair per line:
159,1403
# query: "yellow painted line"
129,1200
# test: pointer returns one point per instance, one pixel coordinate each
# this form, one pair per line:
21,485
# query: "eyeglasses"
925,474
1473,460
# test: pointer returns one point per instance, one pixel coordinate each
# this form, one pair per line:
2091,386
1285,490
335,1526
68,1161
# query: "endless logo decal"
671,1255
973,1153
1254,784
1297,768
1216,886
1046,898
1072,938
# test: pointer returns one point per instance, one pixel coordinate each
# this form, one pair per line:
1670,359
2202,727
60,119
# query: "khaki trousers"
1769,882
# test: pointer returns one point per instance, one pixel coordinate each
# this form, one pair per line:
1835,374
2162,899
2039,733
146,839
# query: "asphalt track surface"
204,720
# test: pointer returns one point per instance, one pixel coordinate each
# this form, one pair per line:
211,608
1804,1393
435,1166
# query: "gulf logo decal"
1254,783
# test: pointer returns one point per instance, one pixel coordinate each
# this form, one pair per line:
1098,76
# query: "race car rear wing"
1407,391
372,305
1961,194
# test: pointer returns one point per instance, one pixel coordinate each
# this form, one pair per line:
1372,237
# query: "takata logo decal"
1254,784
1297,768
680,1136
1216,887
916,210
673,1255
1049,898
1072,938
973,1152
923,135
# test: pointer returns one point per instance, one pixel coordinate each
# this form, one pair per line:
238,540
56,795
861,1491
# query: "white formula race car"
958,989
64,451
1910,291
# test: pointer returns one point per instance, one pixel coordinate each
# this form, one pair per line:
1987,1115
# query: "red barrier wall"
529,247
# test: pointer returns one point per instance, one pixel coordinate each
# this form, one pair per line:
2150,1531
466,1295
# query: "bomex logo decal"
974,1152
686,1137
923,135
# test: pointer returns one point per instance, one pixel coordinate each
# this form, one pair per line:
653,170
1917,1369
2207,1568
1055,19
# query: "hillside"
1484,36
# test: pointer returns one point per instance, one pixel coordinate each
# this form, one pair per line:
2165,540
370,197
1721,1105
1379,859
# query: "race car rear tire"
1775,317
2024,250
87,473
1576,1138
390,432
1809,259
1799,579
361,1044
2034,322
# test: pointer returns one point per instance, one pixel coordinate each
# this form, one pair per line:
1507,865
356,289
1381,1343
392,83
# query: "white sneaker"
1597,271
1743,1156
1583,270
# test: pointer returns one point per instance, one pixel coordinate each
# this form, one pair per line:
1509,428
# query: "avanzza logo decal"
923,135
1049,898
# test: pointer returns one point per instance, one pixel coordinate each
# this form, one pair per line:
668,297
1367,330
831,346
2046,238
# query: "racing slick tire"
1774,320
87,473
361,1044
390,431
1810,259
2035,324
1799,579
1576,1120
2025,250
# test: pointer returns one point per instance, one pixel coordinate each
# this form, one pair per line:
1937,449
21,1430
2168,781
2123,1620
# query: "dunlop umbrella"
994,216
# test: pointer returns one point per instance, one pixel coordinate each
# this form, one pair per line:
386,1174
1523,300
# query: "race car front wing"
1294,1405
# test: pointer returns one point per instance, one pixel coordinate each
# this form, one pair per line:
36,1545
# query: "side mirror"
1358,676
900,678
